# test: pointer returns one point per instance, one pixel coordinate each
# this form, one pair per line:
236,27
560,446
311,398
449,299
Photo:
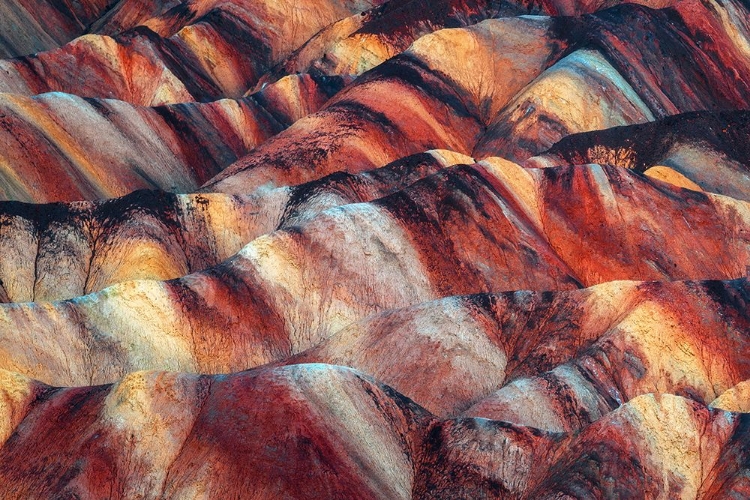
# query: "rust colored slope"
127,14
497,74
60,147
54,252
285,21
409,104
399,23
135,67
616,77
28,26
695,57
478,458
462,230
261,432
655,446
277,296
652,344
710,149
221,55
60,251
343,134
652,447
22,34
361,42
580,92
619,226
562,359
594,393
248,435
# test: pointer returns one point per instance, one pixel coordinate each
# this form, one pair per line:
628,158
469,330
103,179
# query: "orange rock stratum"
374,249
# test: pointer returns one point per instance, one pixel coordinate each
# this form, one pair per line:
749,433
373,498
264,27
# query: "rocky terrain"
374,249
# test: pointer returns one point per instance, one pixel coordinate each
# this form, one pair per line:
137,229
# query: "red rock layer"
35,25
254,434
630,453
436,327
709,149
60,251
429,96
417,101
240,436
222,54
359,43
402,105
635,78
60,147
463,230
29,26
561,360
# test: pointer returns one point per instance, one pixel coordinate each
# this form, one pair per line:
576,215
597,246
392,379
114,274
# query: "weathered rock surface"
374,249
512,87
198,50
59,251
60,147
254,434
493,226
701,151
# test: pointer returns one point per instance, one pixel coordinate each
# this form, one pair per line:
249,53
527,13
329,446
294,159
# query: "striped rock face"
79,142
377,249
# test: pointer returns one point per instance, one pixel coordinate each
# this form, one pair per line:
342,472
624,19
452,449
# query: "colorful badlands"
355,249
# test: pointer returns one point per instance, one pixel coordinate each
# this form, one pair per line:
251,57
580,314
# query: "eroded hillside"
374,249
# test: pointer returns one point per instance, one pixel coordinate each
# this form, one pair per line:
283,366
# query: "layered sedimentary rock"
61,147
29,26
615,77
221,53
255,433
699,151
359,43
512,87
299,416
466,229
401,249
59,251
563,359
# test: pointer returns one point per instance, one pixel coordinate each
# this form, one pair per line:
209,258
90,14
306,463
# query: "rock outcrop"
374,249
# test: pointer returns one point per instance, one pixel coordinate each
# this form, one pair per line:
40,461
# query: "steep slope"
651,447
60,147
221,54
359,43
462,230
60,251
618,75
299,416
29,26
255,434
562,359
485,90
705,151
403,105
386,249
